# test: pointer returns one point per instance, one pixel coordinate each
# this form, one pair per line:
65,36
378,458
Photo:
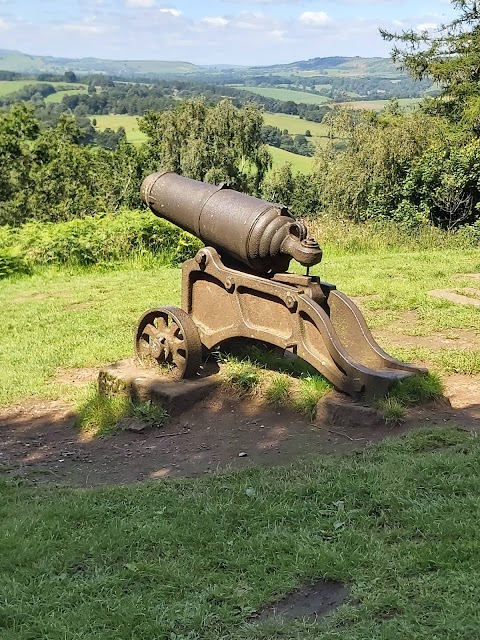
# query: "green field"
59,95
294,124
129,123
288,94
12,86
378,105
302,164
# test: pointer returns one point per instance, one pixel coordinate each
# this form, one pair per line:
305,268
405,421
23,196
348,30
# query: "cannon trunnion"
221,299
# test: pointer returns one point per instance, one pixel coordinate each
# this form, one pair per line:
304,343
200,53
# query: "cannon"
238,286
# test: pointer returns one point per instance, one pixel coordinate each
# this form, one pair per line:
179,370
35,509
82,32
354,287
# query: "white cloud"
176,13
140,4
314,19
427,26
4,24
87,26
215,21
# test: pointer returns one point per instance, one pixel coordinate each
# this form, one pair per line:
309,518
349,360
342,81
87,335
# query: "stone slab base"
145,383
339,410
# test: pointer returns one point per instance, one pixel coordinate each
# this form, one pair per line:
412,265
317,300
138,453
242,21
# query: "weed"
392,410
99,414
309,391
417,389
410,391
241,375
277,389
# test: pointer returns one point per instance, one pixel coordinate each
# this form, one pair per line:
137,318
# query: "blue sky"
215,32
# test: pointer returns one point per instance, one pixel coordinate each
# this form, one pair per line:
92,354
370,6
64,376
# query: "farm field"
129,123
396,522
288,94
59,95
302,164
378,105
294,124
12,86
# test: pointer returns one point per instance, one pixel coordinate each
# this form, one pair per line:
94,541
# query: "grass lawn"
97,311
193,559
287,94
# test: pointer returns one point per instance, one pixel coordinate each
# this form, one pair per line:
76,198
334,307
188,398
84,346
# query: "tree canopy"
211,143
450,56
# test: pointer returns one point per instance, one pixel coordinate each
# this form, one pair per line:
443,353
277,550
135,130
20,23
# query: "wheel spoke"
161,323
150,330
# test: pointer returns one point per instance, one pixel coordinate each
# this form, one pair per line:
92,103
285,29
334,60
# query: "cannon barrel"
262,235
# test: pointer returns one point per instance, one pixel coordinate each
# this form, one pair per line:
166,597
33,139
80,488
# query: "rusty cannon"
238,286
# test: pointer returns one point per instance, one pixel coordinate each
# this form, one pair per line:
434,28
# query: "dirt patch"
40,441
464,395
475,276
463,339
395,334
78,377
467,295
309,602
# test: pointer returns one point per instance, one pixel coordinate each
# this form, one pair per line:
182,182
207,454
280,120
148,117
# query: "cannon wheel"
168,335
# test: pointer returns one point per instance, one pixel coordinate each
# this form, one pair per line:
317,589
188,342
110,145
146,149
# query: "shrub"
100,239
10,264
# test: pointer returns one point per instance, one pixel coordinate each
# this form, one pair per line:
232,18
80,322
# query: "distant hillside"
24,63
331,66
336,65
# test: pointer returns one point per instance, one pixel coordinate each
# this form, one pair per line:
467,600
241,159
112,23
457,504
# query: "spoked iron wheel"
169,336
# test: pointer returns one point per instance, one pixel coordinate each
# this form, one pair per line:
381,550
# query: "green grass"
73,318
409,392
300,164
79,318
295,125
297,386
59,95
287,94
378,105
12,86
194,559
99,414
129,123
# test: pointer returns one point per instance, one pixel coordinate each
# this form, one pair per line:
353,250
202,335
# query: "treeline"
48,175
283,140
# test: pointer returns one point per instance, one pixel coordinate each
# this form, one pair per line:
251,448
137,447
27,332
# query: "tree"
70,76
449,56
210,143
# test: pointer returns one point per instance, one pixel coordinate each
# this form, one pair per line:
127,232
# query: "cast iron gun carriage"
238,285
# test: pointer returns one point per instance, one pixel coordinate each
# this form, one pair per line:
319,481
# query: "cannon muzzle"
262,235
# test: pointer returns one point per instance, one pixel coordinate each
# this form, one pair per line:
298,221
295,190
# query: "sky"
241,32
